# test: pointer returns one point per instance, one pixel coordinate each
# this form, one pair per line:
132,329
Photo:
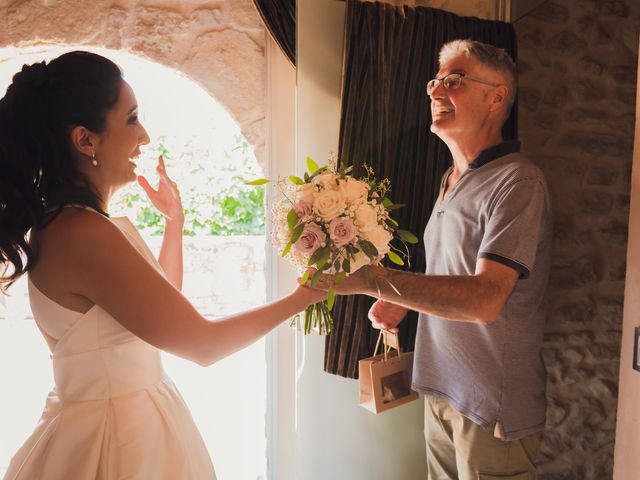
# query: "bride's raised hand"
167,197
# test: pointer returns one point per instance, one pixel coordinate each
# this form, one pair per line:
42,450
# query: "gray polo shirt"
499,209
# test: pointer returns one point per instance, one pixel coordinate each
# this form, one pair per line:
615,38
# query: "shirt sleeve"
514,224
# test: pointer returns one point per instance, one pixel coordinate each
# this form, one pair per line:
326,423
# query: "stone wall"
577,65
217,43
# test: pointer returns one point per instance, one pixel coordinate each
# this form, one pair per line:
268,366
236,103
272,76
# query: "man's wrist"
372,276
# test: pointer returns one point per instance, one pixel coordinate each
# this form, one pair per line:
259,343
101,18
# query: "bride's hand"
167,197
309,295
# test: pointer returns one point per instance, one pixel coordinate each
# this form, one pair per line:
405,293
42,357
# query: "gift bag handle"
387,345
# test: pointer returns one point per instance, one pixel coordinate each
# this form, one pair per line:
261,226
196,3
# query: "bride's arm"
170,257
135,294
167,200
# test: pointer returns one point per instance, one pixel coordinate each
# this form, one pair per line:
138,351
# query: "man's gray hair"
493,57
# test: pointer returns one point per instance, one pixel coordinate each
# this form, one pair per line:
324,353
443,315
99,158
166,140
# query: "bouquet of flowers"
335,223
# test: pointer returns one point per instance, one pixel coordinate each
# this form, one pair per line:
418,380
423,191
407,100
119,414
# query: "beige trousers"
459,449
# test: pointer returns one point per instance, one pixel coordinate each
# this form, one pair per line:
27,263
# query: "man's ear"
499,97
83,140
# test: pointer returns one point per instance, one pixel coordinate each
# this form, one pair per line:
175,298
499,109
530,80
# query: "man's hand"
386,315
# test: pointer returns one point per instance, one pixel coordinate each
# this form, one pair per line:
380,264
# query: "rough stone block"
552,12
529,98
556,95
597,143
546,119
576,313
566,43
591,66
595,202
602,175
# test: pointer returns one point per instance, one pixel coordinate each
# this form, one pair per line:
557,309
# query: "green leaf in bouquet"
305,277
395,258
346,265
287,248
257,181
331,298
318,172
336,264
386,202
311,165
306,177
407,236
296,180
340,276
391,222
344,171
320,257
315,278
295,234
404,253
368,248
395,206
292,219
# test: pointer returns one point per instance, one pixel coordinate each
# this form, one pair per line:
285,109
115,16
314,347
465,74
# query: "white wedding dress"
114,413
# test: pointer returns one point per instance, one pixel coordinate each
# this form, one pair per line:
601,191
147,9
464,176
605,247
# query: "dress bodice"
94,356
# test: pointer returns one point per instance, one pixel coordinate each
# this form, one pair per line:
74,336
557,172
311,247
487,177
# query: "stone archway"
218,44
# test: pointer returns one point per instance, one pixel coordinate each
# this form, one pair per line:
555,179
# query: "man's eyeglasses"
453,81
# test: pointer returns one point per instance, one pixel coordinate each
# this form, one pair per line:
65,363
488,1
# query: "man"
481,300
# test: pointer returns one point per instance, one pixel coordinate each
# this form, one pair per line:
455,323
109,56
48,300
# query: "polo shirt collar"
497,151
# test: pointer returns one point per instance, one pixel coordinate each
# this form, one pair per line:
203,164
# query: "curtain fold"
279,16
390,53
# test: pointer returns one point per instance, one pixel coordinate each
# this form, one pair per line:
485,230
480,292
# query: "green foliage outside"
215,199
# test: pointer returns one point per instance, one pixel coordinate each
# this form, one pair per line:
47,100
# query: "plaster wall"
218,44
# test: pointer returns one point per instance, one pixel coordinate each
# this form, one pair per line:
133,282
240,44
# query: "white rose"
355,191
366,217
380,237
358,261
306,193
328,204
326,181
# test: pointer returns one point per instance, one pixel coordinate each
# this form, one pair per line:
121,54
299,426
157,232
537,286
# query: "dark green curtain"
390,53
279,16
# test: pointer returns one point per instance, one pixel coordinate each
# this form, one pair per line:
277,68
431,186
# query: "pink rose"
302,209
311,239
342,231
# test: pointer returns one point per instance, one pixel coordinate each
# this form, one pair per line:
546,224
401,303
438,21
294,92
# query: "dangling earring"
94,162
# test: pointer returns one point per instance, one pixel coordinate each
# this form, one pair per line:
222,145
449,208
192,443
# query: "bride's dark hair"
39,171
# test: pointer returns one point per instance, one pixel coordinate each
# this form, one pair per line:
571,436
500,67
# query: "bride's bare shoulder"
72,230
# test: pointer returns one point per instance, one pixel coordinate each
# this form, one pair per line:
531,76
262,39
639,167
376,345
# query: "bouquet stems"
317,317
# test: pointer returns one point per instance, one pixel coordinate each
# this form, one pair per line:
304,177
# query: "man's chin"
436,127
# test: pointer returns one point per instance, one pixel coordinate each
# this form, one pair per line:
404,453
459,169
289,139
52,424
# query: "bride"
69,136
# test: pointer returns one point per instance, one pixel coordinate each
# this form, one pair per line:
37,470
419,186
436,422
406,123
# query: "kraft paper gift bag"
385,379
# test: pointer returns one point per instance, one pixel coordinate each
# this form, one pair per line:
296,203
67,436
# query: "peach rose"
328,204
380,237
355,191
366,217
